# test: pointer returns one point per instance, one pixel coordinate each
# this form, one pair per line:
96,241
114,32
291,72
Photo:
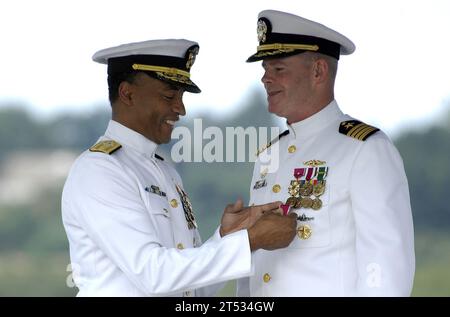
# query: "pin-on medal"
309,184
187,207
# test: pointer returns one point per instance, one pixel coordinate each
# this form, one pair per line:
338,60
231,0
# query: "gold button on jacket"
276,188
292,149
174,203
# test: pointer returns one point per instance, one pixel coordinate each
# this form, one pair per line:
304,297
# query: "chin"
273,108
166,138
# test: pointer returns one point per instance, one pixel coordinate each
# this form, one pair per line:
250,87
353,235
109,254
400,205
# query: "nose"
179,107
265,79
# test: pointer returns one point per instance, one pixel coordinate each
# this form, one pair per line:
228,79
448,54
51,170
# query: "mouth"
171,122
273,93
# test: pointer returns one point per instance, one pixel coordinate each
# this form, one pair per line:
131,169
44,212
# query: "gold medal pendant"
319,189
291,201
306,189
306,202
294,188
298,203
316,204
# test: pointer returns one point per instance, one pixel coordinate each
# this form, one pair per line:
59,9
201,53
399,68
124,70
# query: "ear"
126,91
320,70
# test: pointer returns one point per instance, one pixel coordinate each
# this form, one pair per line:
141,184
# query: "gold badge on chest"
187,207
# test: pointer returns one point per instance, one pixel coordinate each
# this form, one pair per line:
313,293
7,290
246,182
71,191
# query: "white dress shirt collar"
318,121
127,137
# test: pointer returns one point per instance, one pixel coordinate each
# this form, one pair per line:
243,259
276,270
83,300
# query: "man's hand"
272,231
235,217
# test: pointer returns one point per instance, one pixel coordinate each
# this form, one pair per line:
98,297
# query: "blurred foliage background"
35,155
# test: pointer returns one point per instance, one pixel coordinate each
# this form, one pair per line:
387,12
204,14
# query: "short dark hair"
114,80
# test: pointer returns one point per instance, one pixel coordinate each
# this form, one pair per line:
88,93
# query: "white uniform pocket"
160,216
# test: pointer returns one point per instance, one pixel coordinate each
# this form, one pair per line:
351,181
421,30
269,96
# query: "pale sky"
398,75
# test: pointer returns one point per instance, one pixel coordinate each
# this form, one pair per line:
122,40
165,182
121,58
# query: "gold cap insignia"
191,59
261,30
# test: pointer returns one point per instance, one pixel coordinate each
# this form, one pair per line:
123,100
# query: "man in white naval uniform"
343,178
129,222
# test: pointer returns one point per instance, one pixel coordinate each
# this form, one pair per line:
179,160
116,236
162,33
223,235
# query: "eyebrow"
275,63
172,87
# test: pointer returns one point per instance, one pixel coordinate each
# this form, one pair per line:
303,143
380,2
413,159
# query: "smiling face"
289,85
150,107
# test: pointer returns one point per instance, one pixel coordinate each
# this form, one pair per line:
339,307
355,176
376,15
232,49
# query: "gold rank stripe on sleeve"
107,147
357,129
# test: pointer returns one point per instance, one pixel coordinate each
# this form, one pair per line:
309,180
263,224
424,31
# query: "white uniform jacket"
359,239
127,229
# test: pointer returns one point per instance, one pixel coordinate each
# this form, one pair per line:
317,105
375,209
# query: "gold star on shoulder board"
349,125
357,129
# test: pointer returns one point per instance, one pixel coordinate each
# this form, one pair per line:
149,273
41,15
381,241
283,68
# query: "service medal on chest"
307,187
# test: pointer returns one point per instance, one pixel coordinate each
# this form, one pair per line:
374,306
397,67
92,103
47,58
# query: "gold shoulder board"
107,147
357,129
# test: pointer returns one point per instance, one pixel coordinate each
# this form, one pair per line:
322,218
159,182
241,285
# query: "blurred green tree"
426,158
